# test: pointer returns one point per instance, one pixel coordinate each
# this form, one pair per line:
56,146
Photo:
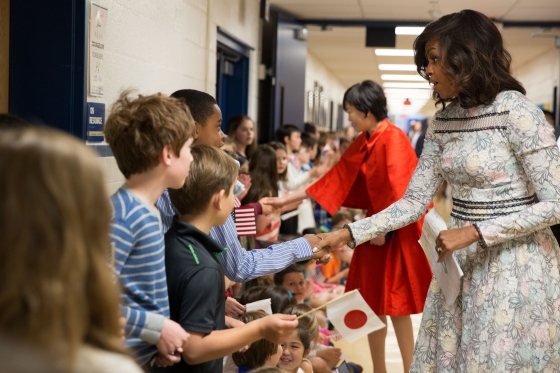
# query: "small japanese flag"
352,317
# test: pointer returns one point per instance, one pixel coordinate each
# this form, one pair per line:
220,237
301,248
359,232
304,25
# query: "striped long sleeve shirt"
140,267
239,264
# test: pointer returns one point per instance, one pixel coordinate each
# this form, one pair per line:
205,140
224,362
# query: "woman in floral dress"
497,151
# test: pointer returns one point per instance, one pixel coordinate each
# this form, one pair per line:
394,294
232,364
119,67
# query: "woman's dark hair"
276,145
367,97
232,126
279,277
472,55
264,175
280,298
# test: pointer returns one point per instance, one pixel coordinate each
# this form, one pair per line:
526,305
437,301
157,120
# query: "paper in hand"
448,273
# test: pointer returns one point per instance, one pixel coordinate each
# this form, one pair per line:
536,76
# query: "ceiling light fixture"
395,52
397,67
405,30
402,77
406,85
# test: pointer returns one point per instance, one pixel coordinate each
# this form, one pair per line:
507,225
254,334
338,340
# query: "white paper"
448,273
260,305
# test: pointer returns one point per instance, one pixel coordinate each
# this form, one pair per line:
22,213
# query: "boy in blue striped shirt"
150,137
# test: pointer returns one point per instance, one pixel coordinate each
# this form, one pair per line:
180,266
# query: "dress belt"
467,210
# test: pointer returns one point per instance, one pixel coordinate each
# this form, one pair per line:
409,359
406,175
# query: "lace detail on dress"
488,121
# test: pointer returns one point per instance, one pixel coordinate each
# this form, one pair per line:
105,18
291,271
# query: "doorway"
232,77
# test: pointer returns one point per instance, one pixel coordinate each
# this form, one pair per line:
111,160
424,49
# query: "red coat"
372,174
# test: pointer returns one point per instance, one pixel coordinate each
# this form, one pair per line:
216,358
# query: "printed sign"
97,26
95,122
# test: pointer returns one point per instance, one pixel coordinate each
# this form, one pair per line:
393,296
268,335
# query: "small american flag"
245,221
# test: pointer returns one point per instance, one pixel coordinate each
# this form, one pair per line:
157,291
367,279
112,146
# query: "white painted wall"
539,77
334,90
163,46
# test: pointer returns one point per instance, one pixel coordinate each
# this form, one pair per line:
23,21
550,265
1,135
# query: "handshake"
325,243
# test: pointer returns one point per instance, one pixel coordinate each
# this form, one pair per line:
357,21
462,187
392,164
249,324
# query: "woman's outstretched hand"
455,239
334,241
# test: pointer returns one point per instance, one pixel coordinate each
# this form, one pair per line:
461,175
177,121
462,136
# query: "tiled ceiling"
342,49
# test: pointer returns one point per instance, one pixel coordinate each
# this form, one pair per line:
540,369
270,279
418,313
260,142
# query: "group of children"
173,243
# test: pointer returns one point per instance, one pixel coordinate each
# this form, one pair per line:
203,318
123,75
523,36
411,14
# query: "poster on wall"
97,27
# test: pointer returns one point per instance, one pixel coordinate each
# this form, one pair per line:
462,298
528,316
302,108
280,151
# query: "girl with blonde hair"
58,298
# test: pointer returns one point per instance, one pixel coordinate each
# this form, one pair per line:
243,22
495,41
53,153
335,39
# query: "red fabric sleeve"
331,190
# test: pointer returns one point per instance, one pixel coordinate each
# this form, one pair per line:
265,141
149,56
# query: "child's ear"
219,199
306,352
166,155
286,139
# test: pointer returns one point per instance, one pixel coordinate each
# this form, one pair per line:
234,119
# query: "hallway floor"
358,351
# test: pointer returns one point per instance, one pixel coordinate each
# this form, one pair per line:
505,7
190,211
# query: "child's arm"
165,334
219,343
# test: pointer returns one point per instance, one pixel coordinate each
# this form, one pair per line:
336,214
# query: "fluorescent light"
401,77
400,92
406,85
394,52
397,67
403,30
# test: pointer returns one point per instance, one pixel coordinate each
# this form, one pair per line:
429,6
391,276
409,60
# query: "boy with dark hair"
239,264
150,137
194,275
290,136
207,115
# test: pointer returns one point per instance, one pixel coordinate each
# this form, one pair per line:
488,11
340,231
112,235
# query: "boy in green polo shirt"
195,278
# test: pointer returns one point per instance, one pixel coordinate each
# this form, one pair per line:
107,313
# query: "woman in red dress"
391,271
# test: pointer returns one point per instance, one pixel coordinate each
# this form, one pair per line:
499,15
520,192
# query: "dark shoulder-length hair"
367,97
264,175
232,126
473,57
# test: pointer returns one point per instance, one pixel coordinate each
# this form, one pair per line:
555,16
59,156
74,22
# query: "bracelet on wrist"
480,238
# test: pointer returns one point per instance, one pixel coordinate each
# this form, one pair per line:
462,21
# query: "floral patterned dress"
507,317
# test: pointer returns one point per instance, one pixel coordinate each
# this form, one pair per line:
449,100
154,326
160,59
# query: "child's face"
282,160
294,282
313,152
211,133
294,141
303,155
245,133
292,353
244,169
181,165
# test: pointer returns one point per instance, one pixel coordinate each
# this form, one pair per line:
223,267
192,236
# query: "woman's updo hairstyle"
473,57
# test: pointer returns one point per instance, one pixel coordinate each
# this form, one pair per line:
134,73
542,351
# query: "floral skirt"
507,317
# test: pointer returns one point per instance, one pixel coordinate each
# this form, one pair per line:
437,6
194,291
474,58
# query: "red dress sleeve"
331,190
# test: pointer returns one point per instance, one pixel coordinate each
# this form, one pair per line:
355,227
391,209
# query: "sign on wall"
95,122
97,27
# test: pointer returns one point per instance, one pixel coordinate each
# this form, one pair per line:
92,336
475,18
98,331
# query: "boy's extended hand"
172,338
321,256
278,327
